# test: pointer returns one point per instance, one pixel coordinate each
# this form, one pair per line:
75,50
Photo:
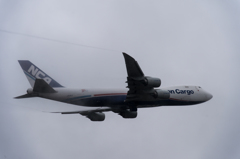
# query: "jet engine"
128,114
152,82
96,116
161,94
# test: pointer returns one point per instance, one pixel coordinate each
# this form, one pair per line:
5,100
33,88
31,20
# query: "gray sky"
181,42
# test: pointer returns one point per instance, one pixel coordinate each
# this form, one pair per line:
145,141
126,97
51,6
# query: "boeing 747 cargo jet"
142,93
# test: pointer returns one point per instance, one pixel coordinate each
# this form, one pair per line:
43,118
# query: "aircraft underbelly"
118,100
100,101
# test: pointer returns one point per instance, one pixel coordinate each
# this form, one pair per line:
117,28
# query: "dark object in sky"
142,93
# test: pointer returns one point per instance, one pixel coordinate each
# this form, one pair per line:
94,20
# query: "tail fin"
32,73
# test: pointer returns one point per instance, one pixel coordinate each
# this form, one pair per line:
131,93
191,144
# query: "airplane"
142,93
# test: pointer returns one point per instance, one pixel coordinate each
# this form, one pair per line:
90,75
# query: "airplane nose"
209,96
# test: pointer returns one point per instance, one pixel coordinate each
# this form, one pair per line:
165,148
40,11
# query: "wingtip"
124,53
23,60
126,56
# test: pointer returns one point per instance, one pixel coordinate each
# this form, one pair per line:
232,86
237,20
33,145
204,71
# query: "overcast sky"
188,42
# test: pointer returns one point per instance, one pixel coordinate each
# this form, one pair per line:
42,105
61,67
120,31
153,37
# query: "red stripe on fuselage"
110,94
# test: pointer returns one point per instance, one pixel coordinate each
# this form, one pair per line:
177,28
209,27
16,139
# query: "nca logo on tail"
39,74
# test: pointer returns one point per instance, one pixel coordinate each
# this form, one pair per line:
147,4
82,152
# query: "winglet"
133,69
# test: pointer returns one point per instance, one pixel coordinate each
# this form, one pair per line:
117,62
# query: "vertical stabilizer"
32,73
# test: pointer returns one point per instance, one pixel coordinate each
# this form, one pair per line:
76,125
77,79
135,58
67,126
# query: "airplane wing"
141,87
87,111
94,114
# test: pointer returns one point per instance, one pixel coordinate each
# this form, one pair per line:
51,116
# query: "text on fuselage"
179,91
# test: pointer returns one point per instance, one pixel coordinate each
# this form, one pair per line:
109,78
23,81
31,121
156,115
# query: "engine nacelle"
96,116
161,94
128,114
152,82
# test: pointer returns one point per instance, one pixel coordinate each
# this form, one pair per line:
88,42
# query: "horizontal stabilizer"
25,96
41,86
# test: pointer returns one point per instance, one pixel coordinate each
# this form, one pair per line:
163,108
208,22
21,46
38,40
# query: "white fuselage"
179,95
